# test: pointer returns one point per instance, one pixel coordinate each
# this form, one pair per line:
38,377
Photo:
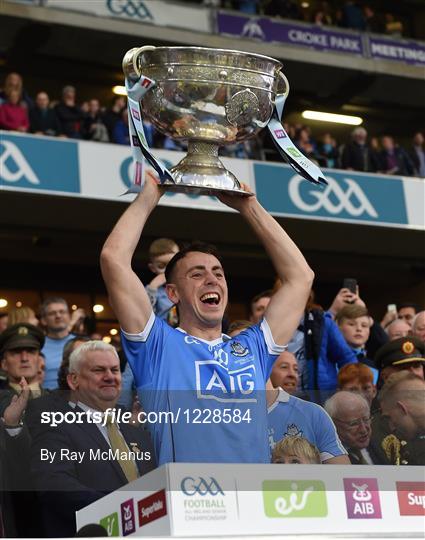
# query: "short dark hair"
52,300
409,304
264,294
201,247
64,366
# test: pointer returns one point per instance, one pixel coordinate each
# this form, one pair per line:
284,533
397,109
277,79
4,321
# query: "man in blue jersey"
212,385
291,416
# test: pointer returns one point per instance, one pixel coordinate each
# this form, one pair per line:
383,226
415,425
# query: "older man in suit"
351,414
89,455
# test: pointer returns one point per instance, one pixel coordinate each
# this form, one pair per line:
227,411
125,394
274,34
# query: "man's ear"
72,380
375,391
172,293
402,407
3,364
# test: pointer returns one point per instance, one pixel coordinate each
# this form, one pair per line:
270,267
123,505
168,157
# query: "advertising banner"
410,52
158,12
104,171
205,499
349,196
278,31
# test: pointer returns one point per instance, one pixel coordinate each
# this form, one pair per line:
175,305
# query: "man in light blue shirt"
212,385
56,319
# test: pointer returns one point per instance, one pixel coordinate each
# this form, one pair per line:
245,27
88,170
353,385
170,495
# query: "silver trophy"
209,98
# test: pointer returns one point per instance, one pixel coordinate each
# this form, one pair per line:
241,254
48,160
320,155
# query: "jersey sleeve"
144,350
328,441
260,338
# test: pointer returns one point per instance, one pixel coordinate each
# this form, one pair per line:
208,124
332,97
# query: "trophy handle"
129,63
286,82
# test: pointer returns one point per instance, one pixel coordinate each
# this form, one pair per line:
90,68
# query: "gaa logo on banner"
348,196
134,9
191,486
294,498
39,163
110,523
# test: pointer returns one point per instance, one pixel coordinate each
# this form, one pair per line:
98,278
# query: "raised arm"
288,303
127,294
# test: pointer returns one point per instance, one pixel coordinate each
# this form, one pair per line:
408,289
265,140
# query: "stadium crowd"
91,121
348,389
354,15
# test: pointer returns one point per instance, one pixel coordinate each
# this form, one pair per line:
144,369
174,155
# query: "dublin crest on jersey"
238,349
293,431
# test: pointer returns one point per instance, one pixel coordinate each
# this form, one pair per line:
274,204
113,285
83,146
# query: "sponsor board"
294,499
347,197
362,498
151,508
411,498
105,171
128,520
110,523
291,33
156,12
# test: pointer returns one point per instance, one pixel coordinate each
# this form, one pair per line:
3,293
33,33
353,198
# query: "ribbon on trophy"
287,149
139,145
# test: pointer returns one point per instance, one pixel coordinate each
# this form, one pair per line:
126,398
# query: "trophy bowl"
209,98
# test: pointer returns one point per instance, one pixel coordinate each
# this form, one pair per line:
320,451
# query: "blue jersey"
53,351
290,415
214,390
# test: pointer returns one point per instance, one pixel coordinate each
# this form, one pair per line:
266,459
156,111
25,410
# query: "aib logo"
362,498
334,198
294,498
110,523
191,486
131,8
280,134
128,522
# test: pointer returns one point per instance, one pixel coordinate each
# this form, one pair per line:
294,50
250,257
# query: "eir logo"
280,134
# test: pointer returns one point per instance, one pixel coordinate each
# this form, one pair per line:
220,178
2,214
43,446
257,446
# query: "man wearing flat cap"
406,354
20,347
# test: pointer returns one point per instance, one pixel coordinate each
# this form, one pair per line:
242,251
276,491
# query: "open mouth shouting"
211,299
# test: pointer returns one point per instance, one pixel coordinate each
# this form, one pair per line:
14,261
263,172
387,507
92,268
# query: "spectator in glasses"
351,415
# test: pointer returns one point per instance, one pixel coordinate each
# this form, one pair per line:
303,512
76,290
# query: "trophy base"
201,172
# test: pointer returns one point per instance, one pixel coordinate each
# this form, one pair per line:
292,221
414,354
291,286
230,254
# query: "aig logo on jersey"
214,380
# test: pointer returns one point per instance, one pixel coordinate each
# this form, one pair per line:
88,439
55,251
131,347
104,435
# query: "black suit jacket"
66,486
355,460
